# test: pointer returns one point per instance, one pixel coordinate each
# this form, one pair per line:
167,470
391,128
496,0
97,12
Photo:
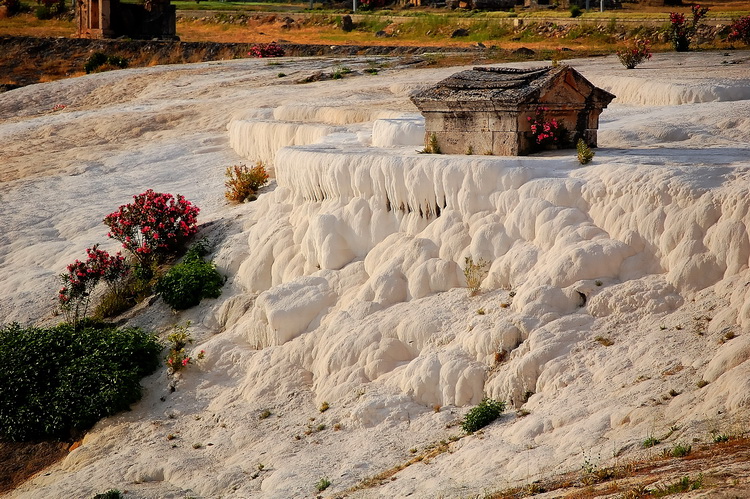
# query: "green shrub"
110,494
575,11
54,381
650,442
480,416
681,450
323,484
98,59
585,155
94,61
188,282
43,13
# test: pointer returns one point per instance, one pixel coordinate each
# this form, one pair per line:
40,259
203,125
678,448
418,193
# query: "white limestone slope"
346,286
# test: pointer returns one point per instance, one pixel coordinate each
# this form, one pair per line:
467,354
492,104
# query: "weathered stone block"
488,109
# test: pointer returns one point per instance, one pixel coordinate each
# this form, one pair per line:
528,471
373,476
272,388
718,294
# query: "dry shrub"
242,182
475,272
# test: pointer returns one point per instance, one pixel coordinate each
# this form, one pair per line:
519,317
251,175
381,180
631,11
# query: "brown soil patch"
19,461
721,470
28,60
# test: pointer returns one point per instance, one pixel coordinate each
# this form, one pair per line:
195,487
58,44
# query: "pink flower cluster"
153,225
82,277
698,13
272,49
635,54
740,30
175,361
680,31
544,132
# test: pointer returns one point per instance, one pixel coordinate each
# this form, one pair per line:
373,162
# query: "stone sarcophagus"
494,110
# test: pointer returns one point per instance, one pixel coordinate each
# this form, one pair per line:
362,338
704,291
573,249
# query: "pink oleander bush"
82,277
272,49
739,31
545,132
680,31
153,226
635,54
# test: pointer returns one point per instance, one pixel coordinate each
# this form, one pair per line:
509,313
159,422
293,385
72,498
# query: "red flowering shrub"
740,30
154,225
680,32
545,133
635,54
82,278
272,49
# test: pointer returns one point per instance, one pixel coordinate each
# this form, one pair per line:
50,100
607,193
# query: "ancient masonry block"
486,110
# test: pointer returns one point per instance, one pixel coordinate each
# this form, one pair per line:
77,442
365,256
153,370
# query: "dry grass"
429,453
29,25
724,466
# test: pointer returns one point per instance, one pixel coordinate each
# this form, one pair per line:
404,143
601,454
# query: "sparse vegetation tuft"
681,450
243,183
433,147
323,484
719,438
685,484
474,272
179,339
650,442
585,154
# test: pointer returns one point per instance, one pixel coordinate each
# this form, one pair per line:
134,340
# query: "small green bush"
110,494
98,59
188,282
323,484
575,11
681,450
585,155
650,442
94,61
483,414
54,381
43,13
